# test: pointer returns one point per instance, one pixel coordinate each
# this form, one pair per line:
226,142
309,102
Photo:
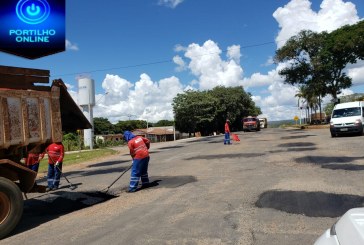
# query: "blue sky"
142,53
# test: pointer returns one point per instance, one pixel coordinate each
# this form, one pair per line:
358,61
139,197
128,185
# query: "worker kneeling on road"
139,152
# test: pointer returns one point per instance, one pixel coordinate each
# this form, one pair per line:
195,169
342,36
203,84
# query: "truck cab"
251,123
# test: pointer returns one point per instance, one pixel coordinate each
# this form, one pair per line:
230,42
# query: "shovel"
107,188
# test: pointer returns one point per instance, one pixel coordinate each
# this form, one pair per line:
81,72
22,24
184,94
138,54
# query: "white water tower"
86,99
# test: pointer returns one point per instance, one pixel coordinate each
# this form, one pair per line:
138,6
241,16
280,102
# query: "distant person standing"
227,132
138,147
55,153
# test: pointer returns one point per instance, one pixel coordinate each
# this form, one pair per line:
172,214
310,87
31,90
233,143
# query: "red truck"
31,116
251,123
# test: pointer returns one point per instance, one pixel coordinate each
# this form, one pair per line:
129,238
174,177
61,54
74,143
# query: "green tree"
318,60
207,111
121,126
71,142
233,104
103,126
162,123
301,53
342,47
194,111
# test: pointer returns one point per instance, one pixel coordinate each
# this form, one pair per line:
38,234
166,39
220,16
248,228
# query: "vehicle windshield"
249,119
346,112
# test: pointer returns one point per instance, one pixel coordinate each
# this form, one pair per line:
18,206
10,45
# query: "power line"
157,62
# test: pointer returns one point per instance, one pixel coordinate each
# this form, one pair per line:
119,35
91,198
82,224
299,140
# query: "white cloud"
345,92
144,100
151,100
179,48
180,62
71,46
206,64
233,53
294,17
297,15
69,86
170,3
259,80
357,73
269,62
117,88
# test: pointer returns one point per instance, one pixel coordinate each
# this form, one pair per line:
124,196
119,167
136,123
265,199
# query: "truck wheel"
333,135
11,206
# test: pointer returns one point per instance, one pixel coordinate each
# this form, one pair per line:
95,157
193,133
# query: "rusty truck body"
32,116
251,123
318,118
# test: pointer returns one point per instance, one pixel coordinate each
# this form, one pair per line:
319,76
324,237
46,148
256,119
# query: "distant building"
109,137
154,134
158,134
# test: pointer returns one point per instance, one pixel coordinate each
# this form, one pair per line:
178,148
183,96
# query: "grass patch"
78,157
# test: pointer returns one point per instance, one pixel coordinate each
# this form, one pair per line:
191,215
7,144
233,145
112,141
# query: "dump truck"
263,122
251,123
32,116
318,118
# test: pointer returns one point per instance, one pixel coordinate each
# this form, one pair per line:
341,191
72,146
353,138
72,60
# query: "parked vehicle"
347,118
263,122
318,118
251,124
348,230
31,117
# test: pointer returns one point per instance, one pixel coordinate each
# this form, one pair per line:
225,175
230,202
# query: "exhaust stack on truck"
31,117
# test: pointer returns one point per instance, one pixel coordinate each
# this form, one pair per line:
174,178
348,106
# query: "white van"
347,118
348,230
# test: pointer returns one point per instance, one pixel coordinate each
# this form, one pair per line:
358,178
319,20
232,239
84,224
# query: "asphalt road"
273,187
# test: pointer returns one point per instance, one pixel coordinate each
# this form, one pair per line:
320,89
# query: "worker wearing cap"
55,158
138,147
227,132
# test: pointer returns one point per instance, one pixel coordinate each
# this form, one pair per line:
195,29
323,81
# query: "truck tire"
11,206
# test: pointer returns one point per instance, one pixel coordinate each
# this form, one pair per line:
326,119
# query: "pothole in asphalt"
348,167
297,144
170,147
62,202
312,204
296,136
236,155
173,181
55,204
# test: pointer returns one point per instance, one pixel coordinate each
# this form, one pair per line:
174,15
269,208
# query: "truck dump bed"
26,117
32,116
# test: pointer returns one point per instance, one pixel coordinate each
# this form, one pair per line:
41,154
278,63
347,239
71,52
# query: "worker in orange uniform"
227,132
33,159
138,147
55,153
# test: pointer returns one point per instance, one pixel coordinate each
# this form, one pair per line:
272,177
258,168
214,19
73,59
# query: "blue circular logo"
33,11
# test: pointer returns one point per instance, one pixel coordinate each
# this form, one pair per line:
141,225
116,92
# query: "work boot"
145,185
